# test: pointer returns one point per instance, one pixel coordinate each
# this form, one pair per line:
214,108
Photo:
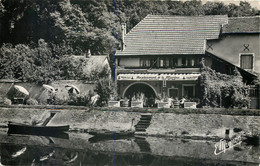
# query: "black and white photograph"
130,82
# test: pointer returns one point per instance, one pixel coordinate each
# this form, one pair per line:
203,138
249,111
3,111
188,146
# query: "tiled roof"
242,25
164,35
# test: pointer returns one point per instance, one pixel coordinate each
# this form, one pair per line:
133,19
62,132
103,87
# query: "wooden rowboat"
18,128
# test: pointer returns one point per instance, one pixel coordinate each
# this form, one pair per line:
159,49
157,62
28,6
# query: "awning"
73,88
154,77
48,88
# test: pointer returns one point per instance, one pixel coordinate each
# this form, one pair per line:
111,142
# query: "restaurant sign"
155,77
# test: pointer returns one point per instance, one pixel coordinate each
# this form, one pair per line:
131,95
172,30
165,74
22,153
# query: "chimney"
88,54
123,31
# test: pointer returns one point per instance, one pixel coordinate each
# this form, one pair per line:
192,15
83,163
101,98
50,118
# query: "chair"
18,100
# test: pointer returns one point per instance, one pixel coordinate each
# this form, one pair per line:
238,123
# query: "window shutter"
246,61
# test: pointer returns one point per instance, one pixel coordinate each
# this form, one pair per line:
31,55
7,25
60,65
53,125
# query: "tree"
71,27
215,8
193,8
28,64
73,69
105,25
175,7
244,9
46,64
2,9
17,62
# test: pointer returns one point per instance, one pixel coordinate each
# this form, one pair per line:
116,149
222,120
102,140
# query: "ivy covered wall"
222,90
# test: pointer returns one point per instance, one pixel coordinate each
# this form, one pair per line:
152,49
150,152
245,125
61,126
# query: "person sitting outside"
52,96
170,101
182,102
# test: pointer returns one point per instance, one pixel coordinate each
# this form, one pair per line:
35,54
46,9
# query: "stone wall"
162,124
202,125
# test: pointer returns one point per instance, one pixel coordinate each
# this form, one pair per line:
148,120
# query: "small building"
161,55
239,43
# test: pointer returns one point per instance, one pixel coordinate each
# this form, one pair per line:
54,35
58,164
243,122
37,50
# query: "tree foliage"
222,90
94,24
35,35
37,64
28,64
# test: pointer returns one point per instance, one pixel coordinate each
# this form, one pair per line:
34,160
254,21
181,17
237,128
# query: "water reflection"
139,150
36,155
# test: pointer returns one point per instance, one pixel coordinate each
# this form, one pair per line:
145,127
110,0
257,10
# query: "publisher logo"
224,144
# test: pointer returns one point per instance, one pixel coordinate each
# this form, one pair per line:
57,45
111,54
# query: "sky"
254,3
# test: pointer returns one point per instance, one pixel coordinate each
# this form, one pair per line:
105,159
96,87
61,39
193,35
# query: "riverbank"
182,123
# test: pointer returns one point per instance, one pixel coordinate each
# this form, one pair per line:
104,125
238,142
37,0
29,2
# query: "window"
246,61
179,62
253,91
161,62
184,61
173,62
164,62
193,61
145,62
188,90
167,63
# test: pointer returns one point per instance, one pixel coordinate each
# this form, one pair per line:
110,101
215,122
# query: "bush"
79,101
31,101
6,101
104,90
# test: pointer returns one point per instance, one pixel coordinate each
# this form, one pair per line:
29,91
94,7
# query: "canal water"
81,149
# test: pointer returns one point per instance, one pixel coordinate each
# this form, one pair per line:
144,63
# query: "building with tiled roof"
167,35
161,55
242,25
239,43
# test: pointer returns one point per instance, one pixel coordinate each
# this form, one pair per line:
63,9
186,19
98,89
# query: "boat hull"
16,128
